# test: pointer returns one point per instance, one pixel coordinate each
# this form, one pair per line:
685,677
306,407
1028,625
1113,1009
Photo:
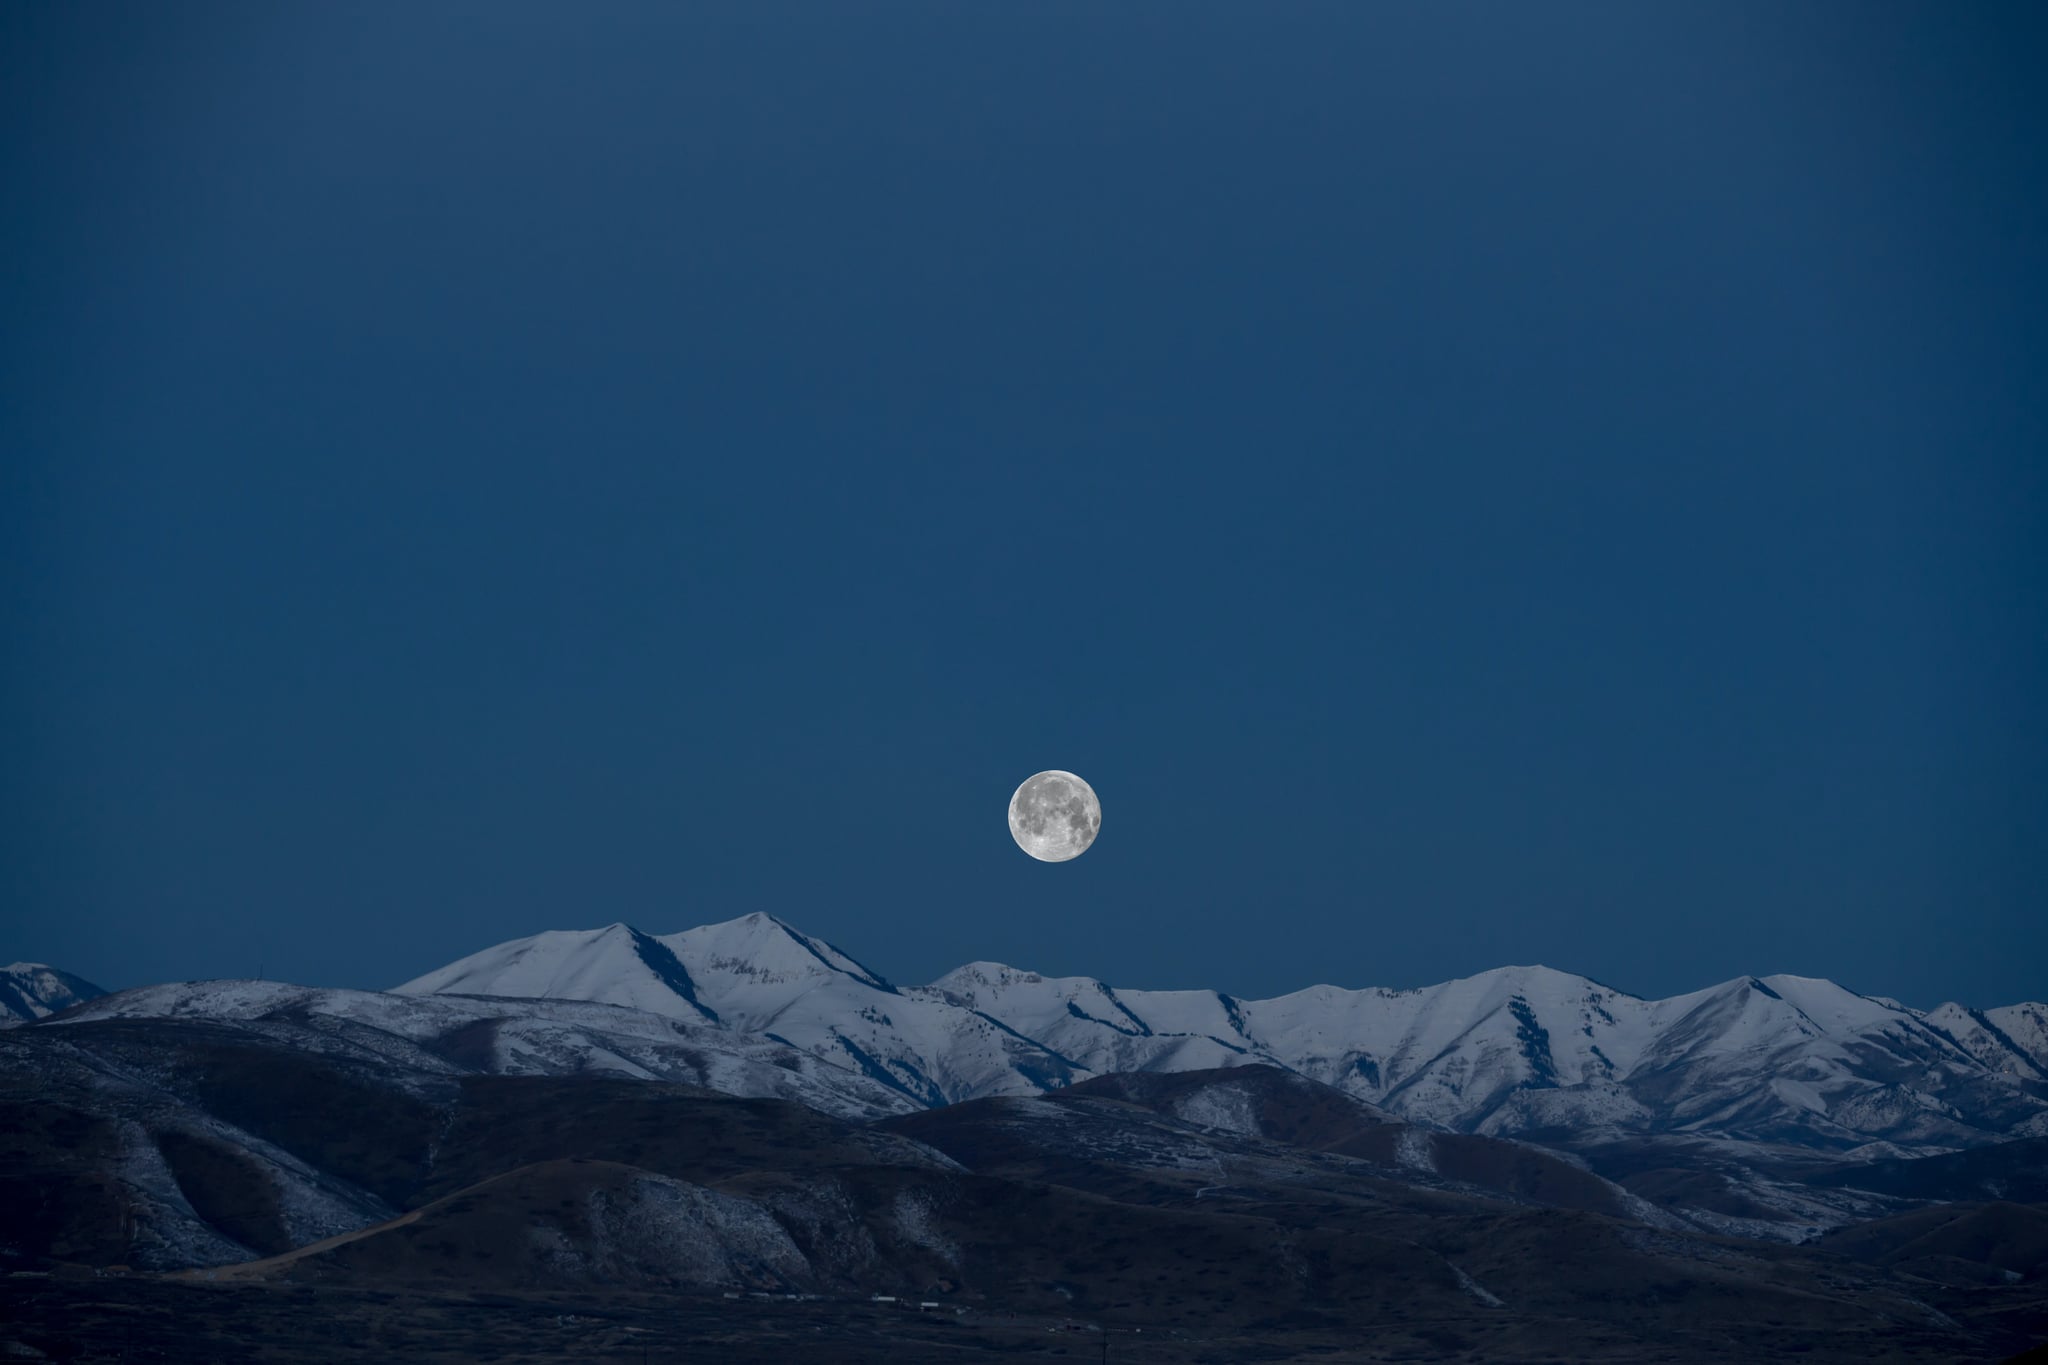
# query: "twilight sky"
1468,484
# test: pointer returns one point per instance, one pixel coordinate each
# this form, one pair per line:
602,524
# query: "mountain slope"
2012,1039
1241,1114
1954,1243
616,965
33,990
460,1035
2015,1172
187,1126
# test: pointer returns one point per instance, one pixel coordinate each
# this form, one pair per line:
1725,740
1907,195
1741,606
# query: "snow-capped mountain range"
1515,1051
759,975
35,990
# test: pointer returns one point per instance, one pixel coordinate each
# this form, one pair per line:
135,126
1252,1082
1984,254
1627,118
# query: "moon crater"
1054,816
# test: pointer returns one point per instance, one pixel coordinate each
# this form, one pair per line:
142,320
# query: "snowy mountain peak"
615,965
2012,1040
990,971
1829,1005
969,980
1534,983
761,952
1533,973
36,990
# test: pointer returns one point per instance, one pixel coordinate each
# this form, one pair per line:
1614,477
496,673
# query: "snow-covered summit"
756,965
36,990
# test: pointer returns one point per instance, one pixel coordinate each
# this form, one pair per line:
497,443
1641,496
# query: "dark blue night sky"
1468,484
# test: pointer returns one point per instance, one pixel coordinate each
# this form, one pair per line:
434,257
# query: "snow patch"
1473,1287
1226,1107
1414,1151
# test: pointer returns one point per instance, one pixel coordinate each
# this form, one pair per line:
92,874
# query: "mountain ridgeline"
1515,1051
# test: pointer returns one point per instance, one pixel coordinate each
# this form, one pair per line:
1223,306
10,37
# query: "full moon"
1054,816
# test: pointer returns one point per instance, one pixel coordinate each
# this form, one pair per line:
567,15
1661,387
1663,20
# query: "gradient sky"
1468,484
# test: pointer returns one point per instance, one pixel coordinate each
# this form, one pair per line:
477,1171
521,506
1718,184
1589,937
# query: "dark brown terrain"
176,1190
